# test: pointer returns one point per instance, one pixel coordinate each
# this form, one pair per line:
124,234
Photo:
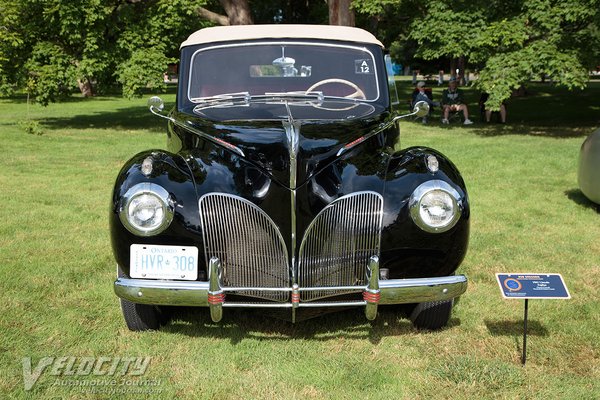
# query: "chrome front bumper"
211,294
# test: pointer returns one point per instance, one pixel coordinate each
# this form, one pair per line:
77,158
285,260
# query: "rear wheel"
432,314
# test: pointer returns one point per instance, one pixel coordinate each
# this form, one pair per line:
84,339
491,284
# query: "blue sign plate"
532,286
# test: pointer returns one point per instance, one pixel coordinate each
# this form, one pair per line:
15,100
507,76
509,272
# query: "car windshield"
283,69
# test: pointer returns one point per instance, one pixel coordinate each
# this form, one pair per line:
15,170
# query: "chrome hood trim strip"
190,127
292,132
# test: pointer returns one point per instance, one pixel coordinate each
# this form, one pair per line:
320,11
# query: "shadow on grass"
240,324
515,328
22,99
108,95
576,196
131,118
546,111
557,131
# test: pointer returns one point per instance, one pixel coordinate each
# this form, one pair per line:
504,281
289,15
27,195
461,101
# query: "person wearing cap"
421,93
452,100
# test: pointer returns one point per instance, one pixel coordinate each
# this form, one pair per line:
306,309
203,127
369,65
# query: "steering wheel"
358,94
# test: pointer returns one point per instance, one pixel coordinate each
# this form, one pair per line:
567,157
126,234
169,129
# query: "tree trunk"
461,70
212,16
453,67
340,12
85,87
238,11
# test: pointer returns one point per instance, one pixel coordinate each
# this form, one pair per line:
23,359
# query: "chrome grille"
248,243
338,244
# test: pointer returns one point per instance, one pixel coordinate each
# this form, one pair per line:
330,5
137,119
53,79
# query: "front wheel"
432,315
142,317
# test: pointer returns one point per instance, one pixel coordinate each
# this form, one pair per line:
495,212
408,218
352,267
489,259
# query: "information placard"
532,286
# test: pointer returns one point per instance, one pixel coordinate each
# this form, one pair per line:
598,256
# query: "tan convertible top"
246,32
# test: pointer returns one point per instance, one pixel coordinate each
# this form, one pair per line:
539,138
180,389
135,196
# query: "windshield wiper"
290,98
222,100
300,96
244,99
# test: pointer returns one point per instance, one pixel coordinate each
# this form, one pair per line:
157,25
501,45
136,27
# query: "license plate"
163,262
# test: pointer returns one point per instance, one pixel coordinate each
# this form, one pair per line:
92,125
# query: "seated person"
421,93
452,100
488,113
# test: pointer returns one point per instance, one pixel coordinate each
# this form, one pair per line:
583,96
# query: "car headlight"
435,206
146,209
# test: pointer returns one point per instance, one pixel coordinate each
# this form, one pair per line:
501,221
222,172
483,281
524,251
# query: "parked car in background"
589,167
282,189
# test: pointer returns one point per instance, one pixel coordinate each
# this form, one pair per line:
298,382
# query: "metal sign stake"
524,357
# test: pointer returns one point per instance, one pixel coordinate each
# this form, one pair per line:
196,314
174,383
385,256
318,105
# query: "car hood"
291,142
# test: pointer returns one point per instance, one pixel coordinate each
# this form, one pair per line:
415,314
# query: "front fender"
172,172
407,250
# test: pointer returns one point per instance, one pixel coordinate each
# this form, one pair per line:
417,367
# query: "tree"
512,41
54,46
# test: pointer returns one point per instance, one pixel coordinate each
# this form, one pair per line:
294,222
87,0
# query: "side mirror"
157,106
421,109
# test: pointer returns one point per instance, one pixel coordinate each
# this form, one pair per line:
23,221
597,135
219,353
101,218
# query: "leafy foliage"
51,72
540,38
510,41
144,69
447,30
374,7
30,126
54,46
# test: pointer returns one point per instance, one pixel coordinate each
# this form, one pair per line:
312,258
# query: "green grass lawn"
528,215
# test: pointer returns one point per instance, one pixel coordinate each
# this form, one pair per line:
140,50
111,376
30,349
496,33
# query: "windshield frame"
311,43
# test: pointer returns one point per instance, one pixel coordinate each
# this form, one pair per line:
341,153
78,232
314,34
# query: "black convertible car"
281,188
